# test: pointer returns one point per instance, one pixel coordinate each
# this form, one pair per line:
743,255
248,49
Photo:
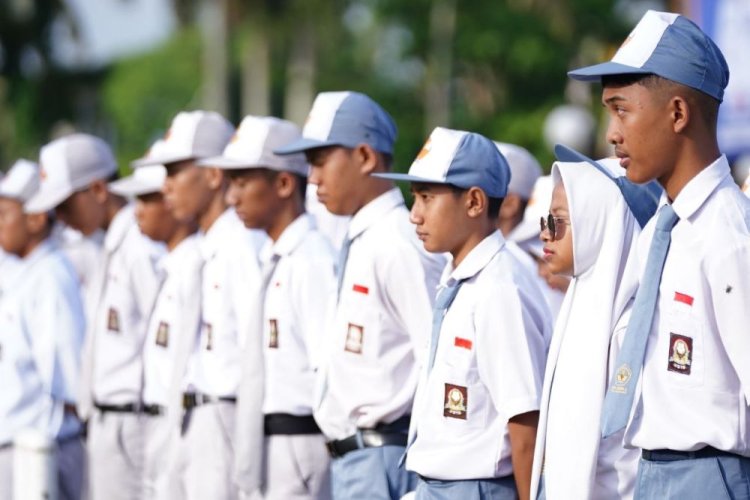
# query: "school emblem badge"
162,334
113,320
622,377
355,335
273,336
680,354
456,401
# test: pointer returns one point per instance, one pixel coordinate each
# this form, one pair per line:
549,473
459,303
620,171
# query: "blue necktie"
343,257
619,398
442,303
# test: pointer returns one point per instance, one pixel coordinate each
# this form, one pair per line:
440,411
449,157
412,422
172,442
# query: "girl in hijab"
589,235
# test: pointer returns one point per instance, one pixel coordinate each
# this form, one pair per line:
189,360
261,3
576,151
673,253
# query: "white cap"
192,135
145,180
67,165
524,169
253,144
527,232
21,182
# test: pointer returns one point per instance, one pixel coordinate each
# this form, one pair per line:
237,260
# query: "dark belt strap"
285,424
193,399
673,455
130,408
392,434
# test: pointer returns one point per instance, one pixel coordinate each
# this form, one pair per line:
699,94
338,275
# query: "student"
474,416
41,334
268,193
589,235
680,387
385,284
173,321
76,169
229,277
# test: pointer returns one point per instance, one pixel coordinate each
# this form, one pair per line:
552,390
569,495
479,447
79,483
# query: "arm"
522,432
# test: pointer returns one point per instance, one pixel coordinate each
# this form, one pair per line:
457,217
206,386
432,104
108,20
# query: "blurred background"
122,69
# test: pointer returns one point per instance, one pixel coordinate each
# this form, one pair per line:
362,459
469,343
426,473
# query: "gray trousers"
204,463
116,453
297,468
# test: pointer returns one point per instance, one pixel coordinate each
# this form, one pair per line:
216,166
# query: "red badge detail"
456,401
355,335
113,320
277,284
361,289
273,336
216,286
162,334
680,354
465,343
685,299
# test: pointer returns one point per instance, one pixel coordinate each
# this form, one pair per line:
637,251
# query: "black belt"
393,434
672,455
285,424
131,408
193,399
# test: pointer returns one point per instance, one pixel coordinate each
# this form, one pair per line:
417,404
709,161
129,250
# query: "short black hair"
270,176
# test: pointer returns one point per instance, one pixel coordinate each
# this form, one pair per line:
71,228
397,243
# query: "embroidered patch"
680,354
456,401
622,377
360,289
355,335
162,334
684,298
113,320
209,336
465,343
273,337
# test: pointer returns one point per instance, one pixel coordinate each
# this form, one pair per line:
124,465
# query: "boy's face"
439,215
82,210
337,176
640,128
558,251
186,190
14,231
154,218
253,195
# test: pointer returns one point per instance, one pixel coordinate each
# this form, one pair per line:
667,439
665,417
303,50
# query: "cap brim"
45,201
595,72
132,187
225,163
302,145
407,178
159,160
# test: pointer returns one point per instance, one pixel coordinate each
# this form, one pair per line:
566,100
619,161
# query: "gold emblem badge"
354,337
680,354
456,401
113,320
162,334
273,336
622,377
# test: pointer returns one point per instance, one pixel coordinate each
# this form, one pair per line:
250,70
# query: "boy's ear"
679,108
286,184
99,190
366,158
476,202
37,223
215,178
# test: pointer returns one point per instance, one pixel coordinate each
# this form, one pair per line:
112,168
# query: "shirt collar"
290,238
475,261
699,188
119,227
374,211
172,261
216,236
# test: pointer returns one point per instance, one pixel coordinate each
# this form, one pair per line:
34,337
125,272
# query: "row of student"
642,392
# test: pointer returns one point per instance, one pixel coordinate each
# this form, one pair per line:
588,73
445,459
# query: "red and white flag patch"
684,298
461,342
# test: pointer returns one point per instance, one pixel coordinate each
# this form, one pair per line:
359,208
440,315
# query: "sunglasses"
554,225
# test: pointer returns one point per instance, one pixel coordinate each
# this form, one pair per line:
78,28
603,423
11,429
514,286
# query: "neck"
691,160
32,245
374,191
182,232
283,219
215,208
113,205
474,238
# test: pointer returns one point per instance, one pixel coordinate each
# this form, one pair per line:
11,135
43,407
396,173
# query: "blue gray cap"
671,46
461,159
642,199
345,119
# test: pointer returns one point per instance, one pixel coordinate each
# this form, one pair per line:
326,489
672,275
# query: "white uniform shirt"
231,274
489,367
695,384
382,322
41,334
299,294
166,328
84,253
122,312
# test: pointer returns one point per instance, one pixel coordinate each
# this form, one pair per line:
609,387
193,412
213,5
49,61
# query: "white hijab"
604,236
